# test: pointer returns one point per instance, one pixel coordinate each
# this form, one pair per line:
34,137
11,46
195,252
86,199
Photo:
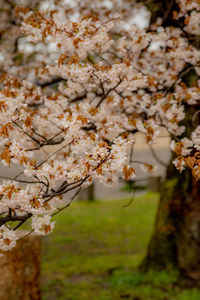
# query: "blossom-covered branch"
73,120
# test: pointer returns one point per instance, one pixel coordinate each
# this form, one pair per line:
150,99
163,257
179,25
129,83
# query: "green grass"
94,251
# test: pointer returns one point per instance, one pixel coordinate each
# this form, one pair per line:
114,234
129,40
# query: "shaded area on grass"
95,250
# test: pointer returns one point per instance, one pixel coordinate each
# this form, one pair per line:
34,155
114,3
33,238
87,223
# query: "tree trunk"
88,193
20,270
176,238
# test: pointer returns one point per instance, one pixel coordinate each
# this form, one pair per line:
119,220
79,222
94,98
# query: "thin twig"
18,180
156,157
131,200
68,204
25,132
40,164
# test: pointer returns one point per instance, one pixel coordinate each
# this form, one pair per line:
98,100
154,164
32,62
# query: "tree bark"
20,270
176,238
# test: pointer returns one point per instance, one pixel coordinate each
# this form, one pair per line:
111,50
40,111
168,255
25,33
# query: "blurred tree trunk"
88,193
175,241
91,192
176,237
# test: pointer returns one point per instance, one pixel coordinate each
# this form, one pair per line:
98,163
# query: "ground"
95,249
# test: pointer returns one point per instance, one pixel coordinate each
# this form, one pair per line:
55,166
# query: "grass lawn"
94,251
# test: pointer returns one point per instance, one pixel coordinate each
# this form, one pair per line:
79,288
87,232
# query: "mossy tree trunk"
176,238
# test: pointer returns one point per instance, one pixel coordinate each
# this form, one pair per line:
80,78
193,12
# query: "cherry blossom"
85,85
